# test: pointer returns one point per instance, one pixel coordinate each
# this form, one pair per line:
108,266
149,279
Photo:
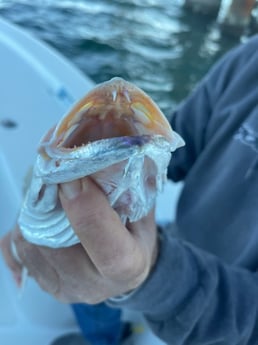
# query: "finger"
145,233
39,266
76,277
5,246
146,226
10,260
36,264
145,229
97,225
75,270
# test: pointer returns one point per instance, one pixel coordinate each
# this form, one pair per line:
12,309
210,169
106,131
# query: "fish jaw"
114,108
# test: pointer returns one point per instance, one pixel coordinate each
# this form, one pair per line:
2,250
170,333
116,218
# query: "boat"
38,85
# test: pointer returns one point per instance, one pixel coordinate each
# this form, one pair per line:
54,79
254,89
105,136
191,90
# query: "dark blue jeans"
100,324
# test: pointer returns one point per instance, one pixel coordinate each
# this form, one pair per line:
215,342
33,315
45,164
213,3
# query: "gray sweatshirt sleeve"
194,117
191,296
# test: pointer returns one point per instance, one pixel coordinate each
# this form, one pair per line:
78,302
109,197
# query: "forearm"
195,299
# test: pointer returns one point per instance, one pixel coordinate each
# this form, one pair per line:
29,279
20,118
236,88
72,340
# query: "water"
157,44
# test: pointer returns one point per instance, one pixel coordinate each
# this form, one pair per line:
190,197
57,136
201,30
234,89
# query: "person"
196,283
99,325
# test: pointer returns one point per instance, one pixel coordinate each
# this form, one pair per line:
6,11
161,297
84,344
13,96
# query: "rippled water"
157,44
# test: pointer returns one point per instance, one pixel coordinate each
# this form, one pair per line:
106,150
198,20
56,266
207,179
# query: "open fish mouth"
114,109
118,136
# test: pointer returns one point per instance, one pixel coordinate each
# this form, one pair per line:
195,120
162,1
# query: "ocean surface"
157,44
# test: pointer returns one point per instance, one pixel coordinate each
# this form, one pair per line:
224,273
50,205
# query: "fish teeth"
70,131
140,113
114,95
127,96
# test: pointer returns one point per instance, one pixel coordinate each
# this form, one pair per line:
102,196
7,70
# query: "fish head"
115,108
118,137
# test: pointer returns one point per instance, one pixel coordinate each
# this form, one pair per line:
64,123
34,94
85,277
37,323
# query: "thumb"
94,221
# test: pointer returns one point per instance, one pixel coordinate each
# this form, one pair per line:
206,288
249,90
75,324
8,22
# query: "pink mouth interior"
92,128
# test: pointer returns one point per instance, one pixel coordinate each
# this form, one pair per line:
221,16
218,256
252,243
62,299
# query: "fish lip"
111,100
103,146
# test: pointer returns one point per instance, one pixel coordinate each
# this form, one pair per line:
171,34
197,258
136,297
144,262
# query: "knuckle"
116,265
52,286
130,269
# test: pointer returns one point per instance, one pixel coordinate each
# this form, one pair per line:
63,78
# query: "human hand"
110,260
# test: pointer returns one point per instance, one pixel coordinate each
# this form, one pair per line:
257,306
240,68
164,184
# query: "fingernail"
71,190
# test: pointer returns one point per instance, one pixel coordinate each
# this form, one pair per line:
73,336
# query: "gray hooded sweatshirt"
203,288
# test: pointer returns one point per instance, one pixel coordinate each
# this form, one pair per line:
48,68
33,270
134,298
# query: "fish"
117,135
